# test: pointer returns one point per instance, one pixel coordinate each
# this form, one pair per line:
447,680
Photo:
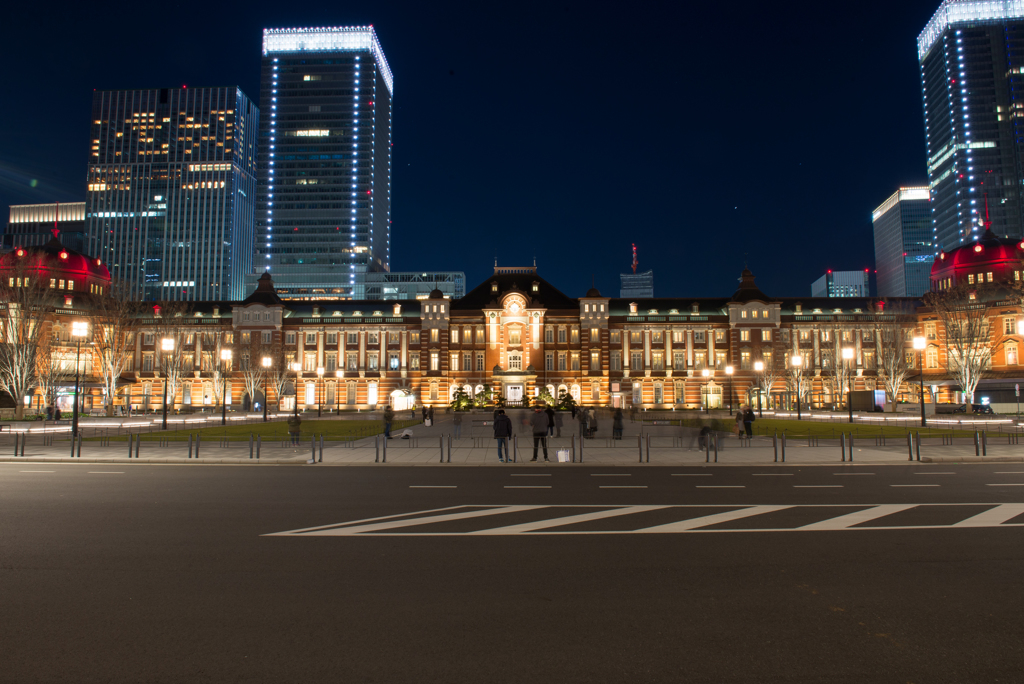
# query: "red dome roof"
56,259
988,250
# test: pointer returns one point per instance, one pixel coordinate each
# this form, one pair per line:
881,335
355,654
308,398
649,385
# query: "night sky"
707,133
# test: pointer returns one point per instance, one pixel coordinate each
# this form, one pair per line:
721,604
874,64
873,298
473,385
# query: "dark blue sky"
706,133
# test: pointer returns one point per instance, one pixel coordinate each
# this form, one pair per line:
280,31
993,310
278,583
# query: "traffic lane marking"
527,486
853,473
934,473
37,471
1006,484
916,485
720,486
818,486
433,486
106,472
611,474
622,487
692,474
773,474
531,474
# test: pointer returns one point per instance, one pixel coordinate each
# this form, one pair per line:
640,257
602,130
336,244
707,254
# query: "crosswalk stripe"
713,519
993,516
567,520
393,524
844,521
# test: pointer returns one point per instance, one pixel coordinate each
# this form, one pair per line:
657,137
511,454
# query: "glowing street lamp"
707,400
847,357
79,329
266,364
225,359
798,362
297,367
320,396
919,344
759,369
167,346
337,396
728,372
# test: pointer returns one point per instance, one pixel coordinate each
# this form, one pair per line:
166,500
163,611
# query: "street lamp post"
847,357
759,367
728,372
320,394
919,344
167,346
798,362
79,329
266,365
706,373
225,358
337,393
297,367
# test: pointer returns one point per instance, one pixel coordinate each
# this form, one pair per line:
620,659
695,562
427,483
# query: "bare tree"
21,330
279,376
250,364
178,362
893,333
968,339
53,370
838,372
774,360
116,321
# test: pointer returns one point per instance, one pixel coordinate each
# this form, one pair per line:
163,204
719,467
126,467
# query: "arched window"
515,361
452,389
371,394
186,393
575,392
468,389
562,389
433,391
659,393
551,391
1011,354
478,390
310,393
207,393
227,392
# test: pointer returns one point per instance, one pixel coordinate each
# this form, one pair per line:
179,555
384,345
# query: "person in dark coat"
551,420
748,422
617,424
502,433
540,432
294,429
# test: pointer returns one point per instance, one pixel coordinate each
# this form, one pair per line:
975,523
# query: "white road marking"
527,486
915,485
567,520
531,474
1006,484
692,474
712,519
845,521
1009,472
433,486
37,471
772,474
721,486
994,516
935,473
622,487
106,472
392,524
611,474
817,486
853,473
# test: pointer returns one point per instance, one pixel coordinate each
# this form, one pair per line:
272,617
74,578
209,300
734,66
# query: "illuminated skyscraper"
972,80
170,201
903,244
324,214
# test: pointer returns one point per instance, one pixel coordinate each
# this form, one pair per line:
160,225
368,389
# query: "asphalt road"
165,573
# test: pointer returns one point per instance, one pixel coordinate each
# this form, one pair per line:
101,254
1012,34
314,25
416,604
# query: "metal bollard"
849,445
707,448
376,448
640,447
312,448
18,437
259,443
440,441
977,444
648,448
573,439
910,446
384,449
250,445
449,448
79,446
321,447
984,444
199,438
716,448
842,446
190,445
783,447
775,445
131,439
917,445
581,449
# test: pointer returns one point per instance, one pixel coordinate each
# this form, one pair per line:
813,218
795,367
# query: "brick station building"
517,335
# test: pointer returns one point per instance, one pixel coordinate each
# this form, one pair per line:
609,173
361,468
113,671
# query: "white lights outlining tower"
325,189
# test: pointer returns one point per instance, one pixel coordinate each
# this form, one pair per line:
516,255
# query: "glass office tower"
170,202
903,243
972,79
324,212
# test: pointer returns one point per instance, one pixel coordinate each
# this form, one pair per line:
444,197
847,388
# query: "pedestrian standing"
56,413
430,415
582,418
294,429
550,412
389,417
502,433
423,413
739,422
592,413
540,432
573,410
632,413
617,424
558,423
457,424
748,422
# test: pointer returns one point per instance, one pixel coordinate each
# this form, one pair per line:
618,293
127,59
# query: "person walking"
617,424
389,417
502,433
748,422
739,422
540,432
457,424
550,412
294,429
558,423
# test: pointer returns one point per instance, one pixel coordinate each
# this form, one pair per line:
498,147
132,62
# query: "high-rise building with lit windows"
971,57
904,251
171,195
324,212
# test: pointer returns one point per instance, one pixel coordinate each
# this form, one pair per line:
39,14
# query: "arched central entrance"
402,400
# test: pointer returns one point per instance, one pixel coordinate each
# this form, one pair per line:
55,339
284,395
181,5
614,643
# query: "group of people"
745,422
